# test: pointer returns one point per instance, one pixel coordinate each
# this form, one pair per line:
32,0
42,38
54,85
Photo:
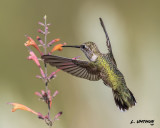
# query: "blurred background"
134,30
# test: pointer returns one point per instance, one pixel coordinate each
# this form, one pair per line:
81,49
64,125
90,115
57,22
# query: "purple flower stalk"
45,95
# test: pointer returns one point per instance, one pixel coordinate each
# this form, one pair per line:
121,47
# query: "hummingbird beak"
76,46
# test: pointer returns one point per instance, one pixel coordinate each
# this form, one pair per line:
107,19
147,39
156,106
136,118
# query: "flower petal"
34,58
53,74
49,98
40,23
31,42
42,72
22,107
38,76
57,116
43,92
38,94
58,47
55,93
40,31
55,40
40,40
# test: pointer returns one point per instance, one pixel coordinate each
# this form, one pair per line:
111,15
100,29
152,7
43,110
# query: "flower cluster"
44,95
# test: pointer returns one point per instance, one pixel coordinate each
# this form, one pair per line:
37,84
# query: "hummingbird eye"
83,46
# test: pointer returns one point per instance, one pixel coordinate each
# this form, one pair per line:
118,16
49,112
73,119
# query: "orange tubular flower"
58,47
31,42
22,107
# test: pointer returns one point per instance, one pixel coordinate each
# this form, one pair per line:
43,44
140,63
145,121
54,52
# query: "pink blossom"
43,92
38,76
55,93
40,31
53,41
40,41
34,58
40,23
53,74
42,72
45,96
57,116
38,94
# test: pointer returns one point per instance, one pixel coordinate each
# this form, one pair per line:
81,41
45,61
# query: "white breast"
94,57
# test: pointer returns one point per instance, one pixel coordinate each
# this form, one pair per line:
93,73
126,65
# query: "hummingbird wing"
108,43
82,69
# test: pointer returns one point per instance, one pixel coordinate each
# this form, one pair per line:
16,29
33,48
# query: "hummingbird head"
90,50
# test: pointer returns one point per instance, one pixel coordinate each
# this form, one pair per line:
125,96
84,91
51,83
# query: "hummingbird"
100,66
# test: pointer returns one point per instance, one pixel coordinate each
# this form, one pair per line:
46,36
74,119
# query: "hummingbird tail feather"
124,100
